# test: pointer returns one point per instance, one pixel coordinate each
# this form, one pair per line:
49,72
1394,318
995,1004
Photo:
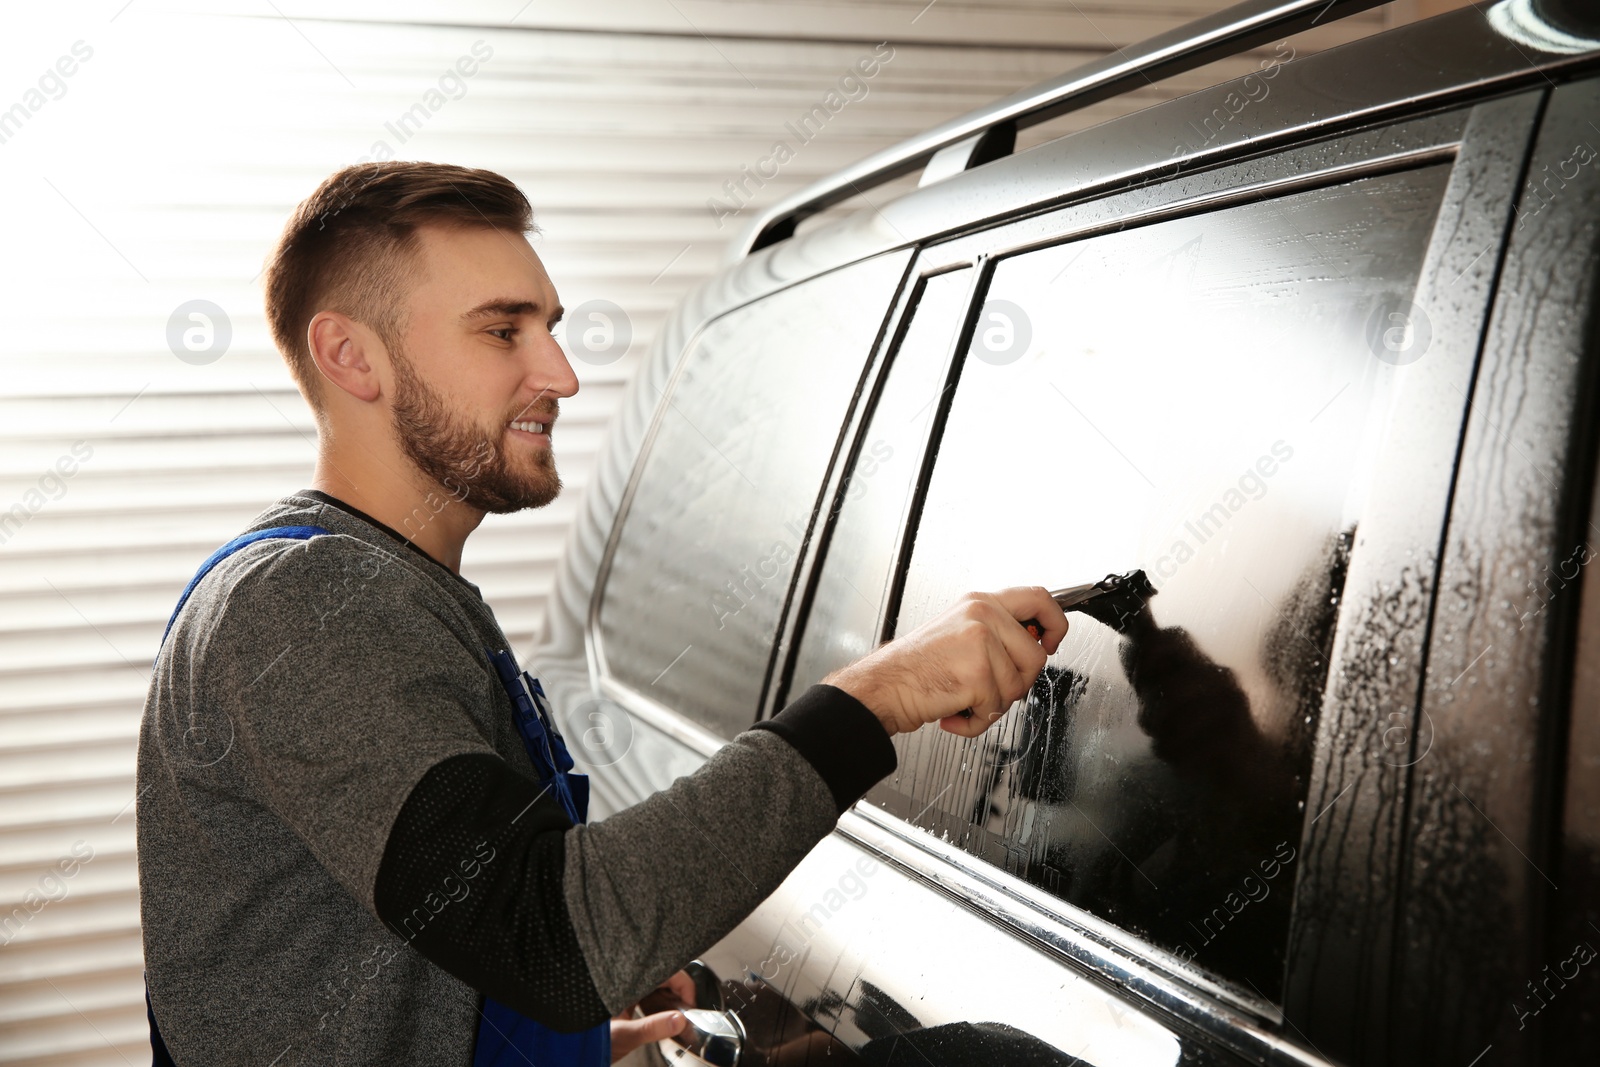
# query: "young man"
347,853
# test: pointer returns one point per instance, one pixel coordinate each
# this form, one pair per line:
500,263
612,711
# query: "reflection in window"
1200,398
728,485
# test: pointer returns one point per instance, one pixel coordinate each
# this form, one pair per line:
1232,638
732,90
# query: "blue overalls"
505,1037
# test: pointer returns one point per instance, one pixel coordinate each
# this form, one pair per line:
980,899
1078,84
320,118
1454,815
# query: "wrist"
859,684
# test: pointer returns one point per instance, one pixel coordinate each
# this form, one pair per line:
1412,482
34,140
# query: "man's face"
477,373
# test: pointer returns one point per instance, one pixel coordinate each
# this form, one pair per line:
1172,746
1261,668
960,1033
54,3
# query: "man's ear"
342,349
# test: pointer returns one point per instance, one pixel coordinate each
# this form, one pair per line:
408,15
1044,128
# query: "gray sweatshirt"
342,844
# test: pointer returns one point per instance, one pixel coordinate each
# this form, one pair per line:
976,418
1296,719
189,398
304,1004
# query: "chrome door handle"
714,1038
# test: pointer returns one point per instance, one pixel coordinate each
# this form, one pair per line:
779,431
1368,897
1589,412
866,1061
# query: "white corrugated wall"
153,160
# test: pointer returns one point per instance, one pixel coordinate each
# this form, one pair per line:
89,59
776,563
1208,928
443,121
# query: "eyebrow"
508,307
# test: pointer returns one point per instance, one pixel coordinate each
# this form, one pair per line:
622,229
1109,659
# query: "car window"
1198,398
706,550
871,505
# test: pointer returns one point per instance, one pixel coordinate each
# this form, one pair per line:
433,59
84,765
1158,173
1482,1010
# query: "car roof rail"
990,132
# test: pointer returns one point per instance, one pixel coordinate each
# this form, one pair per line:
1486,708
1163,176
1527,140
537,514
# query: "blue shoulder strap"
507,1038
540,738
296,533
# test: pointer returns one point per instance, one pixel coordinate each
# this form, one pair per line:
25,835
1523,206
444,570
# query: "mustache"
533,411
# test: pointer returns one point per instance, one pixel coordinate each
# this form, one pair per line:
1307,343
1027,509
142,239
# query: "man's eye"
508,331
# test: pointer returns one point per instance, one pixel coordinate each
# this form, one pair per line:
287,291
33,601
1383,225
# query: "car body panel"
1483,801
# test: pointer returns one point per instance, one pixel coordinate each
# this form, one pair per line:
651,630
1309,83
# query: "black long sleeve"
471,877
475,873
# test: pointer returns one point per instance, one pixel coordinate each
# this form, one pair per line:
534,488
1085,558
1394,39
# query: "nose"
550,368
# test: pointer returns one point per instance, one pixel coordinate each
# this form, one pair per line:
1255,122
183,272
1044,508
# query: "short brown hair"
348,247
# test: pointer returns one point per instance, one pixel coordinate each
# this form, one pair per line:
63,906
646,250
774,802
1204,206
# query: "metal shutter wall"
162,172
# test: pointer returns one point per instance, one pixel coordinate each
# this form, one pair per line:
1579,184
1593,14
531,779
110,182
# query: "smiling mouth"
529,427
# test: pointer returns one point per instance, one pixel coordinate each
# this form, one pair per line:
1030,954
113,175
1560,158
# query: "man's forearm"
485,876
654,885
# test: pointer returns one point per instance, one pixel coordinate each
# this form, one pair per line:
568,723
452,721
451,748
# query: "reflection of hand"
660,1018
1198,715
975,655
1190,705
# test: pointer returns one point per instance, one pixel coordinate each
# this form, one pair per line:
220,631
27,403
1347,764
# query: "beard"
468,463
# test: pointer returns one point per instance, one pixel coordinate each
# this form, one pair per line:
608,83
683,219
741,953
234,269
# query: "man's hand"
976,655
660,1020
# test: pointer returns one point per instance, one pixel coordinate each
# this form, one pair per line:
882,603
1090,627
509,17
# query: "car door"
1251,384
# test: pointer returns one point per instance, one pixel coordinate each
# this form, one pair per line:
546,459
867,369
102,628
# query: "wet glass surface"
1200,398
729,485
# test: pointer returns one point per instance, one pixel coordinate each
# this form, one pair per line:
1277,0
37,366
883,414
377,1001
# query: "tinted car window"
729,482
847,606
1198,398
